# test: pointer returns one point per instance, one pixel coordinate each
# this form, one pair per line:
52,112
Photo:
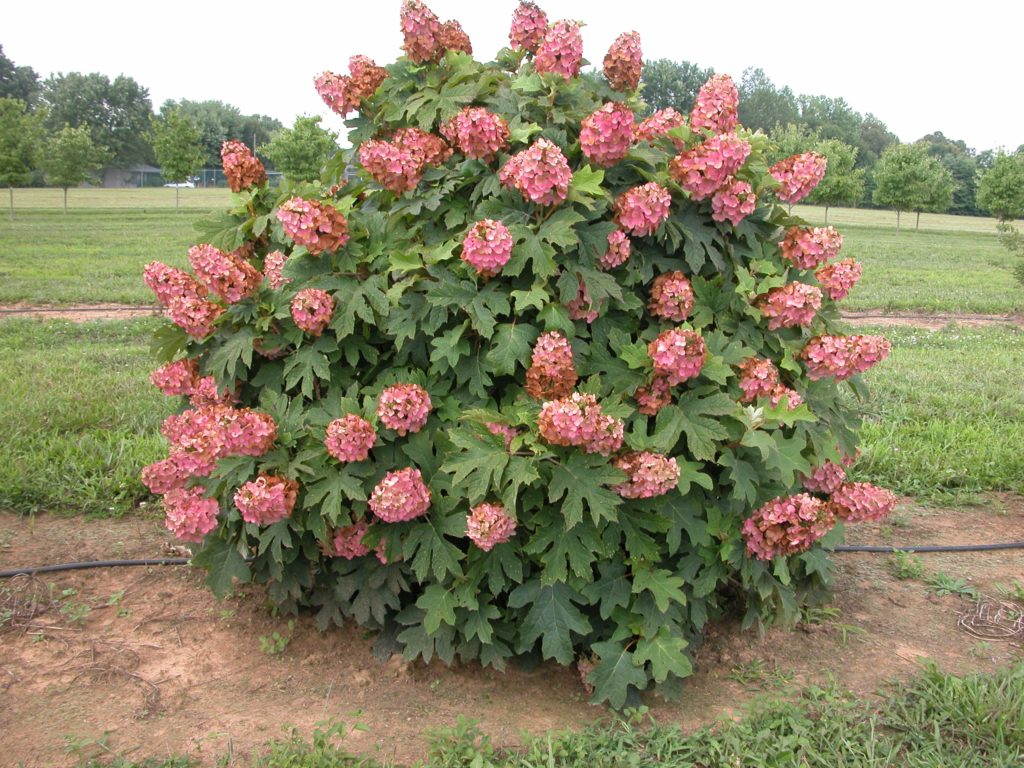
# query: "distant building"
132,176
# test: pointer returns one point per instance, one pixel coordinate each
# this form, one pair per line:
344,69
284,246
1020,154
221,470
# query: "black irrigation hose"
31,571
28,571
929,548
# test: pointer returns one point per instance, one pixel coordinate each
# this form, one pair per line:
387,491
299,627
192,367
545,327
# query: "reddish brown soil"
81,313
168,669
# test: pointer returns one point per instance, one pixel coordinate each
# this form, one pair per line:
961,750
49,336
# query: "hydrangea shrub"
546,380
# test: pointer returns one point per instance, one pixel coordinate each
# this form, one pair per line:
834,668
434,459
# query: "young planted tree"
178,149
844,182
301,152
1001,189
70,159
21,139
907,178
545,381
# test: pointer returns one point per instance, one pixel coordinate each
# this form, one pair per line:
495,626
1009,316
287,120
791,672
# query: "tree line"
62,129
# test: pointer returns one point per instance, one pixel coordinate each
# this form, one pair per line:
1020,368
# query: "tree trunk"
177,199
917,224
11,190
826,215
897,219
65,201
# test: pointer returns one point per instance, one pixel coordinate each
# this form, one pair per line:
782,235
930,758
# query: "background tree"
302,151
21,137
907,178
673,84
118,113
217,122
844,182
959,160
1001,189
70,158
762,105
791,139
179,153
21,83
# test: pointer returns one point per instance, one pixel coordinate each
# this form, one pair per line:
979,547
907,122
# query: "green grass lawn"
946,413
80,417
95,254
83,419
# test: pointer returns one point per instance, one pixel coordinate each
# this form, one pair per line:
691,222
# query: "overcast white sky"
919,66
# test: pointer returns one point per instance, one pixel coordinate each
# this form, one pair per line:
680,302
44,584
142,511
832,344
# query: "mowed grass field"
96,252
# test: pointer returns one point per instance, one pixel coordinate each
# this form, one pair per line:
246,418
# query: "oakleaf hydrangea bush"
545,380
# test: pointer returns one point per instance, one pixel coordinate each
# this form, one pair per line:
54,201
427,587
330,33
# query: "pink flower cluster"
733,202
226,274
189,516
393,168
202,435
561,50
641,210
717,105
552,373
787,525
529,25
508,433
758,378
404,408
242,168
806,248
488,525
424,148
205,392
798,176
623,62
184,297
177,378
348,541
350,438
654,397
344,93
650,474
266,499
400,496
826,478
273,266
843,356
581,307
216,431
452,37
606,133
318,226
619,249
677,355
487,247
420,28
706,168
312,309
790,306
839,278
658,124
671,297
478,133
577,420
857,502
540,173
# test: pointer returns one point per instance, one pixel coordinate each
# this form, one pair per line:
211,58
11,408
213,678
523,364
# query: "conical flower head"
529,25
561,51
623,62
717,106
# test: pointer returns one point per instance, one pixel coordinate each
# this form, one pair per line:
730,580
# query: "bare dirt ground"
146,661
81,313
